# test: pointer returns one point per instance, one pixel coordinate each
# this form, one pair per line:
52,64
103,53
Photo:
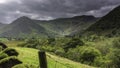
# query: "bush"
83,54
101,62
51,40
3,45
116,43
3,55
9,62
60,52
10,52
73,44
114,56
31,43
47,48
74,54
104,48
89,54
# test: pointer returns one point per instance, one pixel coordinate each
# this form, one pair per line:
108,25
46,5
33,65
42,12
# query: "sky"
52,9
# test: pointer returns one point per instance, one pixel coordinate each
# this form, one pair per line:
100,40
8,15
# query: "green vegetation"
98,46
23,27
3,55
98,51
10,52
107,25
12,43
30,56
8,57
24,66
9,62
4,40
86,55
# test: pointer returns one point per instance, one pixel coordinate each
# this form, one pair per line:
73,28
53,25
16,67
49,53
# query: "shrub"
114,56
89,54
83,54
51,40
3,45
10,52
102,62
9,62
31,43
74,54
104,48
3,55
73,44
116,43
60,52
47,48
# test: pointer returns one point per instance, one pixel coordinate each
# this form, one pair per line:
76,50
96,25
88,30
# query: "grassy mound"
30,56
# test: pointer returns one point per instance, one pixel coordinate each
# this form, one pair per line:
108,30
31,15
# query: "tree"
73,44
89,54
84,54
114,56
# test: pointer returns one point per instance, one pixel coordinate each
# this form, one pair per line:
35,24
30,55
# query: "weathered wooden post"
42,59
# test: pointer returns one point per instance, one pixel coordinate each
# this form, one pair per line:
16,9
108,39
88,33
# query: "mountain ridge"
58,27
108,24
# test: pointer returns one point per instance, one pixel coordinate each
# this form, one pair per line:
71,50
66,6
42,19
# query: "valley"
82,41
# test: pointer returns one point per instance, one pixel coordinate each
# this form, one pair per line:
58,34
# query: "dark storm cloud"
50,9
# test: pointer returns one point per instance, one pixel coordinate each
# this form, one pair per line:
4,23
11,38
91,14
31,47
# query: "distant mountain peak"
84,16
58,27
24,17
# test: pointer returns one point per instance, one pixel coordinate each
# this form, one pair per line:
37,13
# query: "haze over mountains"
25,26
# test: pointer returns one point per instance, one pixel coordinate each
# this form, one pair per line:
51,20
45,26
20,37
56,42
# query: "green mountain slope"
21,26
25,26
2,25
30,56
68,26
109,24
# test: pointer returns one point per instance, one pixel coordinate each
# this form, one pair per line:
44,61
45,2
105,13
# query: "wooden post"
42,59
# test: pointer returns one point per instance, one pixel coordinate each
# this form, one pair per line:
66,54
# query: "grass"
12,43
4,40
30,56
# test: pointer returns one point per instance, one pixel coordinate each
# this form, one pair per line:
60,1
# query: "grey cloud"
51,9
